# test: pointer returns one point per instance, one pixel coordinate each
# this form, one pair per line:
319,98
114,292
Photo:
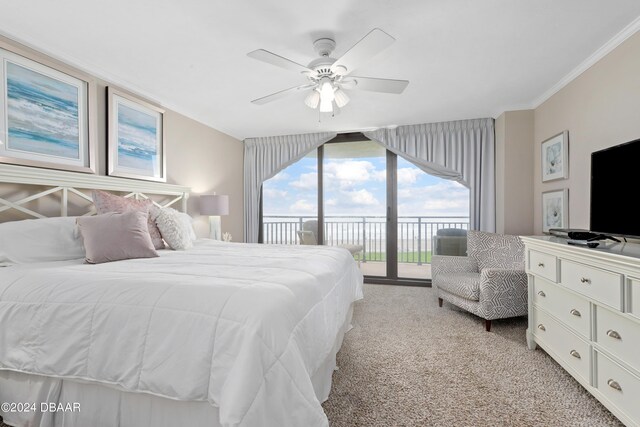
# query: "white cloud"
408,175
273,193
306,181
362,198
303,207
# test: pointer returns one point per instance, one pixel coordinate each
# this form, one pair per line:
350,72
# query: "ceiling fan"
329,76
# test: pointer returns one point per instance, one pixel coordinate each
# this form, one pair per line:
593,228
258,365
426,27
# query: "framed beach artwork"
136,138
555,209
46,115
555,157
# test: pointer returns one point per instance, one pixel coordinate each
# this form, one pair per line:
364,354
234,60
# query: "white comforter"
242,326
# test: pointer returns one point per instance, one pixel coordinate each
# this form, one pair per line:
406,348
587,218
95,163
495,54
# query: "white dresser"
584,311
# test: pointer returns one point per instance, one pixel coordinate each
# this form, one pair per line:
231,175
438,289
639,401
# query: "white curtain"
463,151
263,159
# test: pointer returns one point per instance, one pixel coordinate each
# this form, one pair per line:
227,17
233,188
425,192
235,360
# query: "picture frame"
136,141
48,113
555,157
555,209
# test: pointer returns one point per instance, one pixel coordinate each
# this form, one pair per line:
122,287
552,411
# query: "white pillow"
40,240
176,228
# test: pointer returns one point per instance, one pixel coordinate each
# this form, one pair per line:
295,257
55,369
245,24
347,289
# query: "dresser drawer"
570,309
573,350
619,335
544,265
618,385
634,297
600,285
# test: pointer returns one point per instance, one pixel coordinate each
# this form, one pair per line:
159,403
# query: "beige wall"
198,156
600,108
514,172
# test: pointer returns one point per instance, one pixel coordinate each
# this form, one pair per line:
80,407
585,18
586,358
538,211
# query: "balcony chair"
308,236
490,282
450,241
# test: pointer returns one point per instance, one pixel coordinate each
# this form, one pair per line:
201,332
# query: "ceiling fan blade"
278,61
377,85
281,94
370,45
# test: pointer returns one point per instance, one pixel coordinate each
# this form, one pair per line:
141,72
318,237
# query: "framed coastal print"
555,157
136,138
555,209
46,114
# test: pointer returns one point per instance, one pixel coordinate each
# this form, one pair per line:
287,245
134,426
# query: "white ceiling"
464,58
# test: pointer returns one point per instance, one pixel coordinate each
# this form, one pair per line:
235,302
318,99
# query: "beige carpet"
407,362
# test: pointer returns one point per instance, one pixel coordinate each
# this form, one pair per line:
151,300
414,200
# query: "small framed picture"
555,209
555,157
136,138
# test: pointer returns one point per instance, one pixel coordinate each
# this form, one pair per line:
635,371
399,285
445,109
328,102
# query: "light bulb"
313,99
341,98
326,106
326,90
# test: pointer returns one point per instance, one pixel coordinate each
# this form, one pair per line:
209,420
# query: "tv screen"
615,181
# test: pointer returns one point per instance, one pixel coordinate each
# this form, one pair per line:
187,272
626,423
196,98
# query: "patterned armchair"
490,282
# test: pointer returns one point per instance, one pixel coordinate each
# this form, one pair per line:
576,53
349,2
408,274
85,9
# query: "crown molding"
109,78
596,56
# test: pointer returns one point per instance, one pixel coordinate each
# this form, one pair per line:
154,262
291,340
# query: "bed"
223,334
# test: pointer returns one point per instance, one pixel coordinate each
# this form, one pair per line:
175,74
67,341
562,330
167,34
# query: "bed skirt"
56,402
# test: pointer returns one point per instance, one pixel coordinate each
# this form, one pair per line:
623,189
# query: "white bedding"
244,327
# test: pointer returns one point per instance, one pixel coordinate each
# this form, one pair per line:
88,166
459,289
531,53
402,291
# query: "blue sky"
357,187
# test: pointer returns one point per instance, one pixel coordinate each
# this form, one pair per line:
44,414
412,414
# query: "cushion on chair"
354,249
465,285
495,250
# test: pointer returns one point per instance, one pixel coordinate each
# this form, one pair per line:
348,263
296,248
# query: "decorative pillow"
107,202
116,236
40,240
176,228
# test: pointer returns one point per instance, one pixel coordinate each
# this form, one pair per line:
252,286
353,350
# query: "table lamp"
214,206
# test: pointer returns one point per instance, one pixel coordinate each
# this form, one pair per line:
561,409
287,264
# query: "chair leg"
487,325
440,302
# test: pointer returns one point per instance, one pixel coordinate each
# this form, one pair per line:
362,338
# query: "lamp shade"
213,204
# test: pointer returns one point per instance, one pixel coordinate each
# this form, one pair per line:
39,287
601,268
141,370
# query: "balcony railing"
415,233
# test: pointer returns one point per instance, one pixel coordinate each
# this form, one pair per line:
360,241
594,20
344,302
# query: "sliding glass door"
354,193
354,176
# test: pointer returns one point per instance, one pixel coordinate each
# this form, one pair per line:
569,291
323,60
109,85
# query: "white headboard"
80,184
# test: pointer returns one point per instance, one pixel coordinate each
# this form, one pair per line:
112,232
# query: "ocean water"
42,114
137,140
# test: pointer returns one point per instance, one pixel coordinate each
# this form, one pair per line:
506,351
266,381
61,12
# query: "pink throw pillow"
116,236
107,202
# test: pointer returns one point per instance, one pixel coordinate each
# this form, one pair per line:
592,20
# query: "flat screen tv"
615,190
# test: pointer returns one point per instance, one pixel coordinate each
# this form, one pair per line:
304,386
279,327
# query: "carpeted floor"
408,362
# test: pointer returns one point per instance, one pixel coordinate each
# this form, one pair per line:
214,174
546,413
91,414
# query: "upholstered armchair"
489,282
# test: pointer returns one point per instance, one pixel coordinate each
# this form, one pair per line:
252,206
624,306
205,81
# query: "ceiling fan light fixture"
313,99
341,98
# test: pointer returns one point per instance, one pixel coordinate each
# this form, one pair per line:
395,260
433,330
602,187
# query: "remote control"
583,243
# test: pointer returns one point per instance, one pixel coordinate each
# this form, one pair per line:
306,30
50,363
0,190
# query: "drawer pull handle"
542,294
614,334
575,354
585,280
575,312
541,327
614,385
541,264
